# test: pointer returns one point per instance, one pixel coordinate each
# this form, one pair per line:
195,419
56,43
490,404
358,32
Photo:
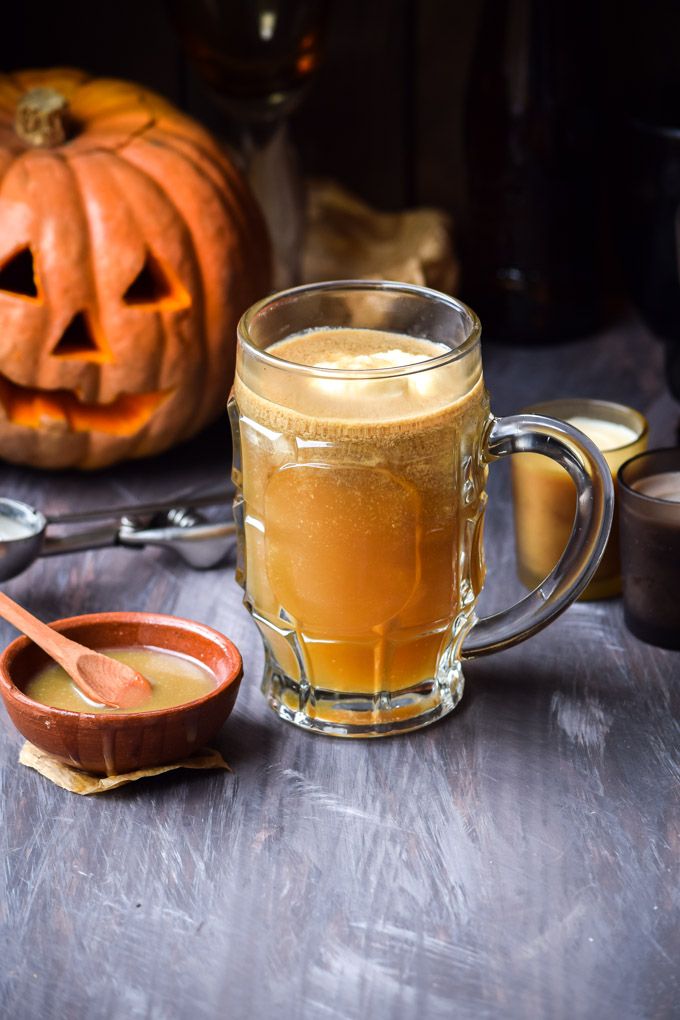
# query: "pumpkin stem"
40,117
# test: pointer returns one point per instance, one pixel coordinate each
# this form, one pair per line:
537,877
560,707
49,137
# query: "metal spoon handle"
94,538
139,509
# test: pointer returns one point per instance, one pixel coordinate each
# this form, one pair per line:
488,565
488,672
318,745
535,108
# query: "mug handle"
533,433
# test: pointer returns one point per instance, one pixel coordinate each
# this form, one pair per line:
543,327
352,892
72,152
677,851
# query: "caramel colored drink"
361,502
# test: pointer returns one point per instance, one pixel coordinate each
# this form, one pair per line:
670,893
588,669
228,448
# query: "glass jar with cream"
544,495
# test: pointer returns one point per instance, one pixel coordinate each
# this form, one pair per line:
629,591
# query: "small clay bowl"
112,743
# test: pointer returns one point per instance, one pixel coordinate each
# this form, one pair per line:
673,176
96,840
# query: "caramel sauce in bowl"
113,742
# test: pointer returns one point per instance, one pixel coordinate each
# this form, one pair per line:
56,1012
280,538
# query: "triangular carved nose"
80,342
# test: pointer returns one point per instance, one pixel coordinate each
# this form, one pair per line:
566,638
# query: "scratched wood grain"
518,860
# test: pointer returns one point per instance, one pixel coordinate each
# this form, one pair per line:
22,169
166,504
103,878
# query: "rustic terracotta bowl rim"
116,718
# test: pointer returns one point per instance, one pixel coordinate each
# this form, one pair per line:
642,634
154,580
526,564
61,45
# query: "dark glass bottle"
529,259
644,162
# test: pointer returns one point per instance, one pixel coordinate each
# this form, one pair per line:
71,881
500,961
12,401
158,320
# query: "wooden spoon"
99,677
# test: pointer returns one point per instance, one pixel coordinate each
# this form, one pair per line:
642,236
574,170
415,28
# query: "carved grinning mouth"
124,416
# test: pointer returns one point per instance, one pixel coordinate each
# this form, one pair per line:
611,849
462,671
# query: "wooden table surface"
517,860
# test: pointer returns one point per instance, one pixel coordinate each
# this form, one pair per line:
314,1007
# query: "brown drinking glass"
649,508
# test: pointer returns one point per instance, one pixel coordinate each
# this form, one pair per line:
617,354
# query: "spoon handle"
56,645
97,676
140,509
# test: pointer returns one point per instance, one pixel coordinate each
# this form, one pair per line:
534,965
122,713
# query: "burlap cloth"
345,238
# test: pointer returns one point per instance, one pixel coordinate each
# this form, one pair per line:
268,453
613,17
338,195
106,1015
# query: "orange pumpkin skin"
145,246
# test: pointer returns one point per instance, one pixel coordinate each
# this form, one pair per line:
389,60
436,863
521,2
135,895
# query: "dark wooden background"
385,114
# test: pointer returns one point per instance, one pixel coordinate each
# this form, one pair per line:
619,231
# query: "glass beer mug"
362,437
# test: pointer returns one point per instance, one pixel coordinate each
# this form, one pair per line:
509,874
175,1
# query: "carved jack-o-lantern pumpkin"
129,246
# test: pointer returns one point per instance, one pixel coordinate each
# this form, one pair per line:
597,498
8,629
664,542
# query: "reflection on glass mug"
362,434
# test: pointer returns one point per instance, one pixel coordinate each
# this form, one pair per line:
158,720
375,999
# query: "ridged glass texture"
360,538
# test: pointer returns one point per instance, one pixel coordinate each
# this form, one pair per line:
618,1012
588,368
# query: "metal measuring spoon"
22,533
202,544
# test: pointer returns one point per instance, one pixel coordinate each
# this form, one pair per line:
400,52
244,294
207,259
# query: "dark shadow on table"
203,464
243,740
519,679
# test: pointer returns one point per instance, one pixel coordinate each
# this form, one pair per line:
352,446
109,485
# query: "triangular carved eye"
78,341
156,286
18,276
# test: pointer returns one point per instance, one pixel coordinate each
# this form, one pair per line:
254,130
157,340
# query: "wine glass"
257,57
